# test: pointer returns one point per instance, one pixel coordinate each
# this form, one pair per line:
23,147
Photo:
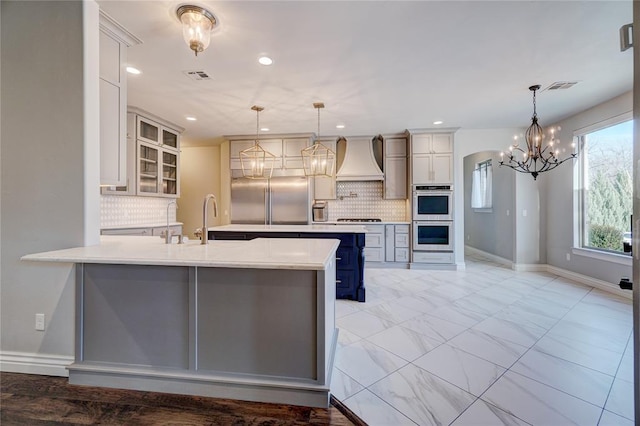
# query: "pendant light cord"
257,126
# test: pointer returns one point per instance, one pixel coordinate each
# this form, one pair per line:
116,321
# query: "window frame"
580,194
487,165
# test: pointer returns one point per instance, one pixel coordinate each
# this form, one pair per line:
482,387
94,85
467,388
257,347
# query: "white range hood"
359,162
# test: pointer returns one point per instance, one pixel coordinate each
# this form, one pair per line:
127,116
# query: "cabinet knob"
338,258
338,281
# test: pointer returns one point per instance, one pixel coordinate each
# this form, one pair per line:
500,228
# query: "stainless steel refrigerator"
278,201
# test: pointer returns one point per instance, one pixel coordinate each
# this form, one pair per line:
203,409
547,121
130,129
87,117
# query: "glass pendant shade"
256,162
317,159
197,24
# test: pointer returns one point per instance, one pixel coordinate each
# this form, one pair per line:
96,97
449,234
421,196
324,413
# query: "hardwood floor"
27,399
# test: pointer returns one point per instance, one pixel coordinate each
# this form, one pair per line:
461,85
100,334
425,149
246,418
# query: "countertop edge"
84,255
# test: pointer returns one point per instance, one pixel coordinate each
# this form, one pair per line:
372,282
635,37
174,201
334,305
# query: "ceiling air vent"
197,75
561,85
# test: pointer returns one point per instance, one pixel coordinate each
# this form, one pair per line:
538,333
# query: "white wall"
199,176
49,169
559,190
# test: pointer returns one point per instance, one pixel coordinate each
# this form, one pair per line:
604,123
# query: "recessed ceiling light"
132,70
437,122
265,60
191,118
339,126
264,129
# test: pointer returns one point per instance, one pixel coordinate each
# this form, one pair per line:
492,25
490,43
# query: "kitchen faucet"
205,235
168,233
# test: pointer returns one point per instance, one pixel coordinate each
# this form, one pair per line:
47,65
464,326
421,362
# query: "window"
481,197
607,178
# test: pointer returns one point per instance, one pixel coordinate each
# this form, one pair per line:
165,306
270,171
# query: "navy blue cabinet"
349,256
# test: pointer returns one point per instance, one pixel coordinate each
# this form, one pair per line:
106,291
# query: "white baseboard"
492,257
529,267
543,267
33,363
593,282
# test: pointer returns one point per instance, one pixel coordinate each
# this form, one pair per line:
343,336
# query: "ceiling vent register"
561,85
197,75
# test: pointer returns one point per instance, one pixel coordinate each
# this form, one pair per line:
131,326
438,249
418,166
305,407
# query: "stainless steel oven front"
435,235
432,202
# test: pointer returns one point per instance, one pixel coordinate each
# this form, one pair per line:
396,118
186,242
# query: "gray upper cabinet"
114,41
395,168
286,148
432,158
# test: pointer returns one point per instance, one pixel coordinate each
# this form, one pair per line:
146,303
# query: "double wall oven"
433,218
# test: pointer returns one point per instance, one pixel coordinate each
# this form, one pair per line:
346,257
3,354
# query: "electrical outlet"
40,322
568,257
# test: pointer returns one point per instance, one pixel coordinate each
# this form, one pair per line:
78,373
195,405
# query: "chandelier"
539,155
255,161
197,24
317,159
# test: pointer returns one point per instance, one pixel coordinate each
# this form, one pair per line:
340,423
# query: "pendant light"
538,156
317,159
197,24
256,162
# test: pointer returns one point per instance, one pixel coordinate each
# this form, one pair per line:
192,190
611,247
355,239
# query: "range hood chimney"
359,162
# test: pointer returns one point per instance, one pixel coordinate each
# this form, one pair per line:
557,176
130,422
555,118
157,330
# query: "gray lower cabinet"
263,335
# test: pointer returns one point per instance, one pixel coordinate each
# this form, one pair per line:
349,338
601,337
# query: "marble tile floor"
485,346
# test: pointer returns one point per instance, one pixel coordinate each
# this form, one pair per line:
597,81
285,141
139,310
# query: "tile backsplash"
364,200
121,210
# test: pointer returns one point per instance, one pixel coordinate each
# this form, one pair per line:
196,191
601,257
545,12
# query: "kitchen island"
350,255
250,320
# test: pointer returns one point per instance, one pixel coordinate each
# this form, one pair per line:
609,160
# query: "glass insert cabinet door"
148,169
169,139
169,173
148,130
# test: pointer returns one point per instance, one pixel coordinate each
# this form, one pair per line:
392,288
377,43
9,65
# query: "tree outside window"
607,161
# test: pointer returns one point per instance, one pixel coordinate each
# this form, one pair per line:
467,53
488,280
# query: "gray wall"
48,164
490,231
560,212
467,142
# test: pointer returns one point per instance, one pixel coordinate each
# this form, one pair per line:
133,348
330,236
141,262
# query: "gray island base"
186,319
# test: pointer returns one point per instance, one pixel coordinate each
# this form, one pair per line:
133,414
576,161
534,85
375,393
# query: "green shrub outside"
606,237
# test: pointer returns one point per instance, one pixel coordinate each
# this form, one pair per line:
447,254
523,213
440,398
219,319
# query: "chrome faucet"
205,235
168,234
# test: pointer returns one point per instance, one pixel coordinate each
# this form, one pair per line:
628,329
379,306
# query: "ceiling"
379,66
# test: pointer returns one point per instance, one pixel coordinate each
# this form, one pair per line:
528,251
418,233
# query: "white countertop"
141,225
347,229
260,253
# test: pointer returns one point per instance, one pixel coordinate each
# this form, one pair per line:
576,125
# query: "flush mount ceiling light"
437,122
197,24
317,159
133,70
265,60
190,118
539,155
255,161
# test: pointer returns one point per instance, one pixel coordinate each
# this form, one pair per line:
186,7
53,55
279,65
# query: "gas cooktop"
359,220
